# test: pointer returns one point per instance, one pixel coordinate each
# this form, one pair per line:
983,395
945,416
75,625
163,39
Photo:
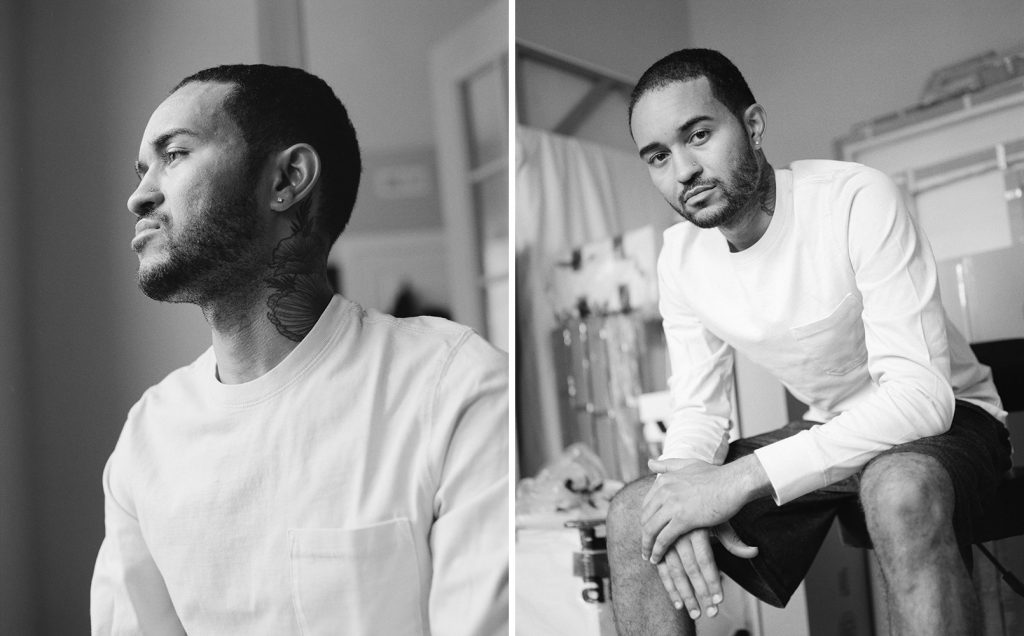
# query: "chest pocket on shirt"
356,581
835,344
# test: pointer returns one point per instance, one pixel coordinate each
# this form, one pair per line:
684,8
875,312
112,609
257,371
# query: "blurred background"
929,91
425,84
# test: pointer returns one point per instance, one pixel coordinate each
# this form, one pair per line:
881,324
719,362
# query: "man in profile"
817,273
322,468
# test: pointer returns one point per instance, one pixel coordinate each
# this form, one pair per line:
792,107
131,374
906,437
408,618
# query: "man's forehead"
675,102
196,106
691,94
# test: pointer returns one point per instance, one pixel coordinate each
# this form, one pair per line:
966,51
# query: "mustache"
150,212
697,183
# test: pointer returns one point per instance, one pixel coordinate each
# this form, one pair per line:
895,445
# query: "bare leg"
908,502
639,600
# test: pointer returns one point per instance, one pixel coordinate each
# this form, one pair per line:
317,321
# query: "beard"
739,193
215,254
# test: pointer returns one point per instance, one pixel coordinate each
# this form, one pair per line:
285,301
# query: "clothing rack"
602,84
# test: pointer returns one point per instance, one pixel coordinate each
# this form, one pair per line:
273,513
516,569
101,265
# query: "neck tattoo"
766,190
298,278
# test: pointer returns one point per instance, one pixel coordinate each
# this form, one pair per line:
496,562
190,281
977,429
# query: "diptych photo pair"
493,317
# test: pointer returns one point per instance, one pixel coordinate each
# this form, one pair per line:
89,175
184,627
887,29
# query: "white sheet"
568,192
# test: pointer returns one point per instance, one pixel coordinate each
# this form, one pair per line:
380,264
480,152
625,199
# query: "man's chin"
160,284
162,293
707,217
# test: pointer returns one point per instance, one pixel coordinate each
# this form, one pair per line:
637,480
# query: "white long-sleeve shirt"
359,487
839,300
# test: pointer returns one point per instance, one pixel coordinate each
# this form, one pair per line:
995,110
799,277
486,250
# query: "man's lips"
696,191
144,229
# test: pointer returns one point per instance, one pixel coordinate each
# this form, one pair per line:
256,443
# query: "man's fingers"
676,584
650,529
651,492
665,465
664,539
651,506
708,569
669,585
700,589
732,542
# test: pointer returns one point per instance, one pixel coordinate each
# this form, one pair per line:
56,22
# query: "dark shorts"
975,452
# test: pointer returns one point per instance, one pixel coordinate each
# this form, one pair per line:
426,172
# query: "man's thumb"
732,542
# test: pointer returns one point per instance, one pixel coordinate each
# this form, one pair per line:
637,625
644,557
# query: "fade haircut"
727,83
278,106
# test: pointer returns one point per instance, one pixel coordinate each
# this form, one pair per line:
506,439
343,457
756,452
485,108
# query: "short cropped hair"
278,106
727,83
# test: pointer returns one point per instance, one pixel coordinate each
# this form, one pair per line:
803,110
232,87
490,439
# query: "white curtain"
568,192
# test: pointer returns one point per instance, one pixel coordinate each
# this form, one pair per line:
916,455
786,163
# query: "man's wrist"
751,478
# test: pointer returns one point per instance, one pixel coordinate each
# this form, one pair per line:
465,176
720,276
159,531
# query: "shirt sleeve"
701,380
470,537
128,593
904,332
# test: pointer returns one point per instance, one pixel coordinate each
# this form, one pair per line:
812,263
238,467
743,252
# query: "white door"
469,71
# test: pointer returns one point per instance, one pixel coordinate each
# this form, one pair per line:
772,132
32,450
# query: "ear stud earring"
280,200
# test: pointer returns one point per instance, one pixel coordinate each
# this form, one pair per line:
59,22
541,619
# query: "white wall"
821,67
376,56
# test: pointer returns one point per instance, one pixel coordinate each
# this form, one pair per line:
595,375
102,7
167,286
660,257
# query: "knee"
906,496
623,520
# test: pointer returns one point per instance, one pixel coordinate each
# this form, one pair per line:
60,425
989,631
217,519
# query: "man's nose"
686,168
145,199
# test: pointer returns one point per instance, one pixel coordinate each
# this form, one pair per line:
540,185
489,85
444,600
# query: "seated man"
322,468
819,274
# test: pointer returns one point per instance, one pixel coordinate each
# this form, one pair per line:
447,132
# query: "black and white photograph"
769,317
531,317
218,417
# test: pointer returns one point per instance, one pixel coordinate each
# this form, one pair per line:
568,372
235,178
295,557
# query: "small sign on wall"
398,193
402,181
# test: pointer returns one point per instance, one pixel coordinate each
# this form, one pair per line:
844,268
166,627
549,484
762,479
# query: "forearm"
896,413
748,477
701,381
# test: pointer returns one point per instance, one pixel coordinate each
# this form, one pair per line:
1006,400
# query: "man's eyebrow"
159,143
162,140
689,123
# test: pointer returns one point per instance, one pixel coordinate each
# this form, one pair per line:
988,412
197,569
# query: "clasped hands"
689,502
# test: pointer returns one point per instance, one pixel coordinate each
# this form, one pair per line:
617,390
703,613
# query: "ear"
755,120
296,173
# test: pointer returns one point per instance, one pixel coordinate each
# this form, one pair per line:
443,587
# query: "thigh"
623,518
975,455
974,452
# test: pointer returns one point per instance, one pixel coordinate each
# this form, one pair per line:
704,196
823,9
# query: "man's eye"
172,155
700,136
657,158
